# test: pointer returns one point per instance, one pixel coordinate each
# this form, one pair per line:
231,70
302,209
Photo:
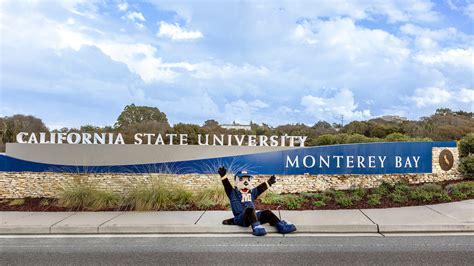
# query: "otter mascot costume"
242,198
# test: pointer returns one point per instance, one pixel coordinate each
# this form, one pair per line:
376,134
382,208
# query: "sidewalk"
447,217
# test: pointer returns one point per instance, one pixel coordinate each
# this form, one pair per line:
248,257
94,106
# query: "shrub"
357,138
344,201
431,187
444,196
373,199
270,197
319,203
293,202
397,137
466,145
317,197
461,190
466,166
334,194
326,139
466,155
401,188
383,188
358,194
420,194
398,197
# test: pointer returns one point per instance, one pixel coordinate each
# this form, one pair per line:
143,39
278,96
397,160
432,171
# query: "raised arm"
225,181
265,185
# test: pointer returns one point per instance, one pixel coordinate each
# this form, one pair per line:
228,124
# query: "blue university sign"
368,158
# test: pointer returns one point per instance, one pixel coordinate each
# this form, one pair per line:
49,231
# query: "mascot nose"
246,183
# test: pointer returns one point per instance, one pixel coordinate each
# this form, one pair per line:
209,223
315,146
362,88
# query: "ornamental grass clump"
159,195
211,197
86,197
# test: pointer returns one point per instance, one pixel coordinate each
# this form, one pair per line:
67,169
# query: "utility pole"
342,120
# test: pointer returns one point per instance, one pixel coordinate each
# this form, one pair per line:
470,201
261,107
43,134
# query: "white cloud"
469,10
431,96
466,96
350,41
457,57
133,16
176,32
122,6
331,109
243,111
215,70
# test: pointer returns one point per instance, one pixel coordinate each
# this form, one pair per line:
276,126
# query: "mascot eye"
240,178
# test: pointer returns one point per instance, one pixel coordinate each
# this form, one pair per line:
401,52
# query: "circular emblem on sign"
446,160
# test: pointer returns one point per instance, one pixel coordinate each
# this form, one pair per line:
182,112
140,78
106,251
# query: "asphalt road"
350,250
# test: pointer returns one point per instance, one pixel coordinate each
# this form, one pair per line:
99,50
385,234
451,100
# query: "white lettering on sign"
350,161
160,139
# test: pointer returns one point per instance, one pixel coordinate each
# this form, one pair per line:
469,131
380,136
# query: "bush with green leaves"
466,166
293,202
344,201
374,199
466,155
270,197
430,187
422,195
358,194
461,190
398,197
319,203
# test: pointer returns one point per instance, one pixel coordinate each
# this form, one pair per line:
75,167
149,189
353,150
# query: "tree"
211,123
21,123
133,114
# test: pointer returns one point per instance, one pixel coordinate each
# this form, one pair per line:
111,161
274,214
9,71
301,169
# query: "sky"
78,62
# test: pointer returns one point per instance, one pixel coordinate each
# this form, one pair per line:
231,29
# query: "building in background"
236,126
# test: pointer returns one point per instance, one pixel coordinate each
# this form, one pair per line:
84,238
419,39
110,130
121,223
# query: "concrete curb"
453,217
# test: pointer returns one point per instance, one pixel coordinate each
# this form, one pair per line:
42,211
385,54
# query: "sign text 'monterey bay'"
159,139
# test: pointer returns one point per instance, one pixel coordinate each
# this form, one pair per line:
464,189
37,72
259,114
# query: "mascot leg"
283,227
267,216
249,217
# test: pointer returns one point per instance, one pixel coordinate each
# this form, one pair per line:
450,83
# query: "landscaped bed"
162,196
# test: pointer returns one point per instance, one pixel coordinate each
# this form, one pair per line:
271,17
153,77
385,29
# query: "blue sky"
80,62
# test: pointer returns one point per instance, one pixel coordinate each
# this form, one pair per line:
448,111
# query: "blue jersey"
239,201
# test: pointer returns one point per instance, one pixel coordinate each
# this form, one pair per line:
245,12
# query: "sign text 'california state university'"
159,139
369,158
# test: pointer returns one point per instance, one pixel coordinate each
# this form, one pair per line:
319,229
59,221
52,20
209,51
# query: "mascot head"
242,181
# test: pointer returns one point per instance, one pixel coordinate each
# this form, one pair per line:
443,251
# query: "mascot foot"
258,230
285,227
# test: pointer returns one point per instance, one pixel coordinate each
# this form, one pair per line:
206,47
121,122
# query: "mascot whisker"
242,198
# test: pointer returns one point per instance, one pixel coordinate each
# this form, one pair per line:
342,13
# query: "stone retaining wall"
48,184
